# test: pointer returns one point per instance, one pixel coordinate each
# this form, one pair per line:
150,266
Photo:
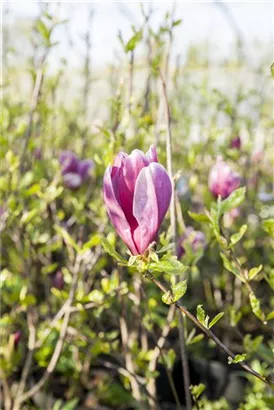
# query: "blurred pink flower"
17,337
236,143
222,179
196,239
58,280
74,170
137,193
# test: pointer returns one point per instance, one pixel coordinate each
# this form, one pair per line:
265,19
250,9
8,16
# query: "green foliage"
177,292
58,244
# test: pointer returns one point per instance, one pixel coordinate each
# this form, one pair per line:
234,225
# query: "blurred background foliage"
95,333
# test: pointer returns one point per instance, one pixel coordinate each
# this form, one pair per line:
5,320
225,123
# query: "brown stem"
209,333
174,234
6,390
59,345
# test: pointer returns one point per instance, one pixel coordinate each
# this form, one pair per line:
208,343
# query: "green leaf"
132,43
196,391
198,217
201,316
256,307
171,266
93,241
43,30
176,22
237,359
231,267
216,319
233,201
111,251
177,291
67,237
196,339
270,315
254,271
27,216
268,226
236,237
272,69
132,260
165,248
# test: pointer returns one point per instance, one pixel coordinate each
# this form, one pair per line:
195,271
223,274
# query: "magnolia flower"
137,193
74,171
196,239
17,337
58,280
236,143
222,179
37,153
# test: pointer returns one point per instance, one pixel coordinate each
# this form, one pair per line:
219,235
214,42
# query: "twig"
28,362
174,236
59,345
35,96
209,333
155,356
6,390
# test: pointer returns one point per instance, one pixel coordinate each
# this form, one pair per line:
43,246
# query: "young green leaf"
132,43
256,307
233,201
231,267
268,226
201,316
270,315
111,251
171,266
254,271
196,391
177,291
237,359
198,217
216,319
236,237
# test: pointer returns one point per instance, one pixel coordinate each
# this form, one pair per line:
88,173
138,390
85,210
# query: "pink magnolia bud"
196,239
17,337
74,171
58,280
236,143
137,193
37,153
222,179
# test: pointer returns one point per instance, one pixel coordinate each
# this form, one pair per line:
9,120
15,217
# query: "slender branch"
6,390
28,362
209,333
35,96
183,352
158,351
59,345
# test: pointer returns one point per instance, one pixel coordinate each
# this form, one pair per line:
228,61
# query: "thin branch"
210,334
59,345
183,352
28,362
158,351
6,390
35,95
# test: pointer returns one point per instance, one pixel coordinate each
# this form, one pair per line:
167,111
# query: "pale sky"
201,21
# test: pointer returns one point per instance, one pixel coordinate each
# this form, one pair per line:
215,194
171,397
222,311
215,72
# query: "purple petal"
151,200
84,168
72,180
69,162
152,154
133,164
115,211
